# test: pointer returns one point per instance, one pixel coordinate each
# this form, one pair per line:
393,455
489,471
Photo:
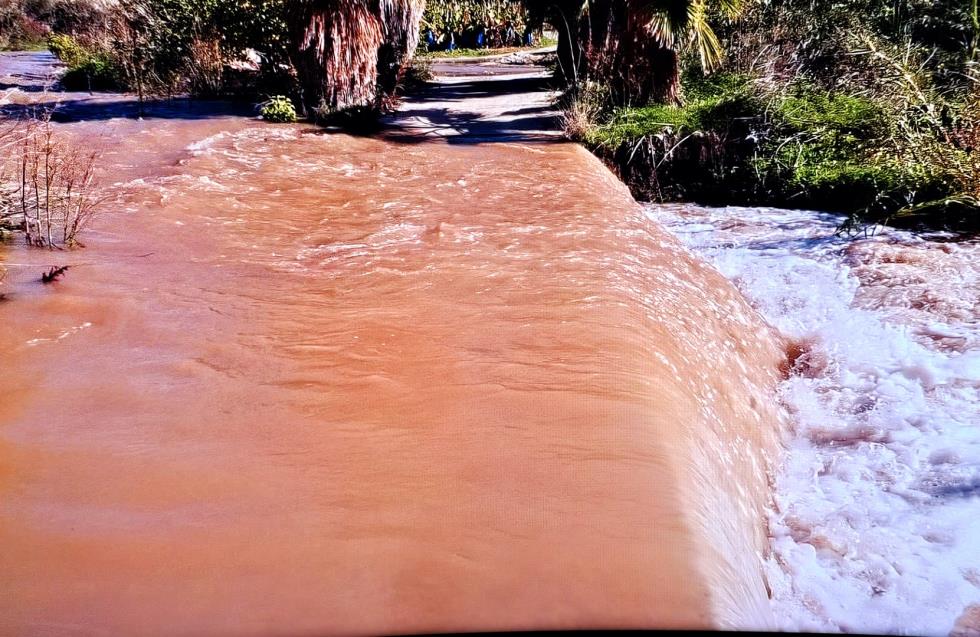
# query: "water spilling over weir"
302,382
875,528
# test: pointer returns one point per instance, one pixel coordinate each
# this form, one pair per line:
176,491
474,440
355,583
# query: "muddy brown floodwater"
303,383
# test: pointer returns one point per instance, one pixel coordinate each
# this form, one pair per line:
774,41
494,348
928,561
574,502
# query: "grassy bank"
737,140
468,53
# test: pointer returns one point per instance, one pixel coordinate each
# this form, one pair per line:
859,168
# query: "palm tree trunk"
621,51
350,54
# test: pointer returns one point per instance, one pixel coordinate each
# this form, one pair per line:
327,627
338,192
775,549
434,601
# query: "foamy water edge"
876,521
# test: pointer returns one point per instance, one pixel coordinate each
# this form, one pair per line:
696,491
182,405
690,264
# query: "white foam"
206,144
877,520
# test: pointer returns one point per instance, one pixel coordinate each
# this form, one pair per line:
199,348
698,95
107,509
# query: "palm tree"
632,46
349,54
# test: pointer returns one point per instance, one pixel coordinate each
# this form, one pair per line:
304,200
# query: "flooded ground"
877,523
307,382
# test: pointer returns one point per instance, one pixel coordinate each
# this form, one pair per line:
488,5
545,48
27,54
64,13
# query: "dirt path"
479,101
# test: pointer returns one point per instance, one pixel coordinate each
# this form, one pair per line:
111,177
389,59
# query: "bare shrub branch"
47,184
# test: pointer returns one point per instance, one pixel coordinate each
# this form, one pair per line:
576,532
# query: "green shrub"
732,141
96,73
67,49
278,109
87,70
840,152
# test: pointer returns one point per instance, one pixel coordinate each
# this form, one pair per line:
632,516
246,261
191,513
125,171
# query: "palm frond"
684,23
703,38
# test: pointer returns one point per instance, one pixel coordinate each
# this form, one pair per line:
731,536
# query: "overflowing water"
876,523
302,383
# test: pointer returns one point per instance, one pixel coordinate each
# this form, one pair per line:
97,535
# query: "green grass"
479,53
709,105
838,151
469,53
630,124
808,148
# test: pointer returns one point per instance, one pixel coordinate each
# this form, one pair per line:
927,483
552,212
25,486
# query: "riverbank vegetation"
858,106
26,24
207,48
867,107
327,57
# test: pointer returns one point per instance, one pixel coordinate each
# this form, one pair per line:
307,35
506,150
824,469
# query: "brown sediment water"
315,383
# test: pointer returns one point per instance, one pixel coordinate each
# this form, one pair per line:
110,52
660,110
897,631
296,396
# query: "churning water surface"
308,383
876,520
299,381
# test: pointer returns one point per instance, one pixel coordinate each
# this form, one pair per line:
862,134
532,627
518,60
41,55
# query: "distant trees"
475,24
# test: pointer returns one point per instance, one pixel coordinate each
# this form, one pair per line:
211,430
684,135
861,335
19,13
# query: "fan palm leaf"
678,24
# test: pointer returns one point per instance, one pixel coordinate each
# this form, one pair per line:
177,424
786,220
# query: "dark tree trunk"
621,52
609,41
566,18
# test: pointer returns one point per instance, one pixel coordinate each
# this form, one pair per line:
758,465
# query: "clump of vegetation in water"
278,109
88,69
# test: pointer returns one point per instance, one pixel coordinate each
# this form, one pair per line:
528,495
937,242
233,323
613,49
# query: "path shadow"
475,88
501,103
83,107
504,108
26,88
